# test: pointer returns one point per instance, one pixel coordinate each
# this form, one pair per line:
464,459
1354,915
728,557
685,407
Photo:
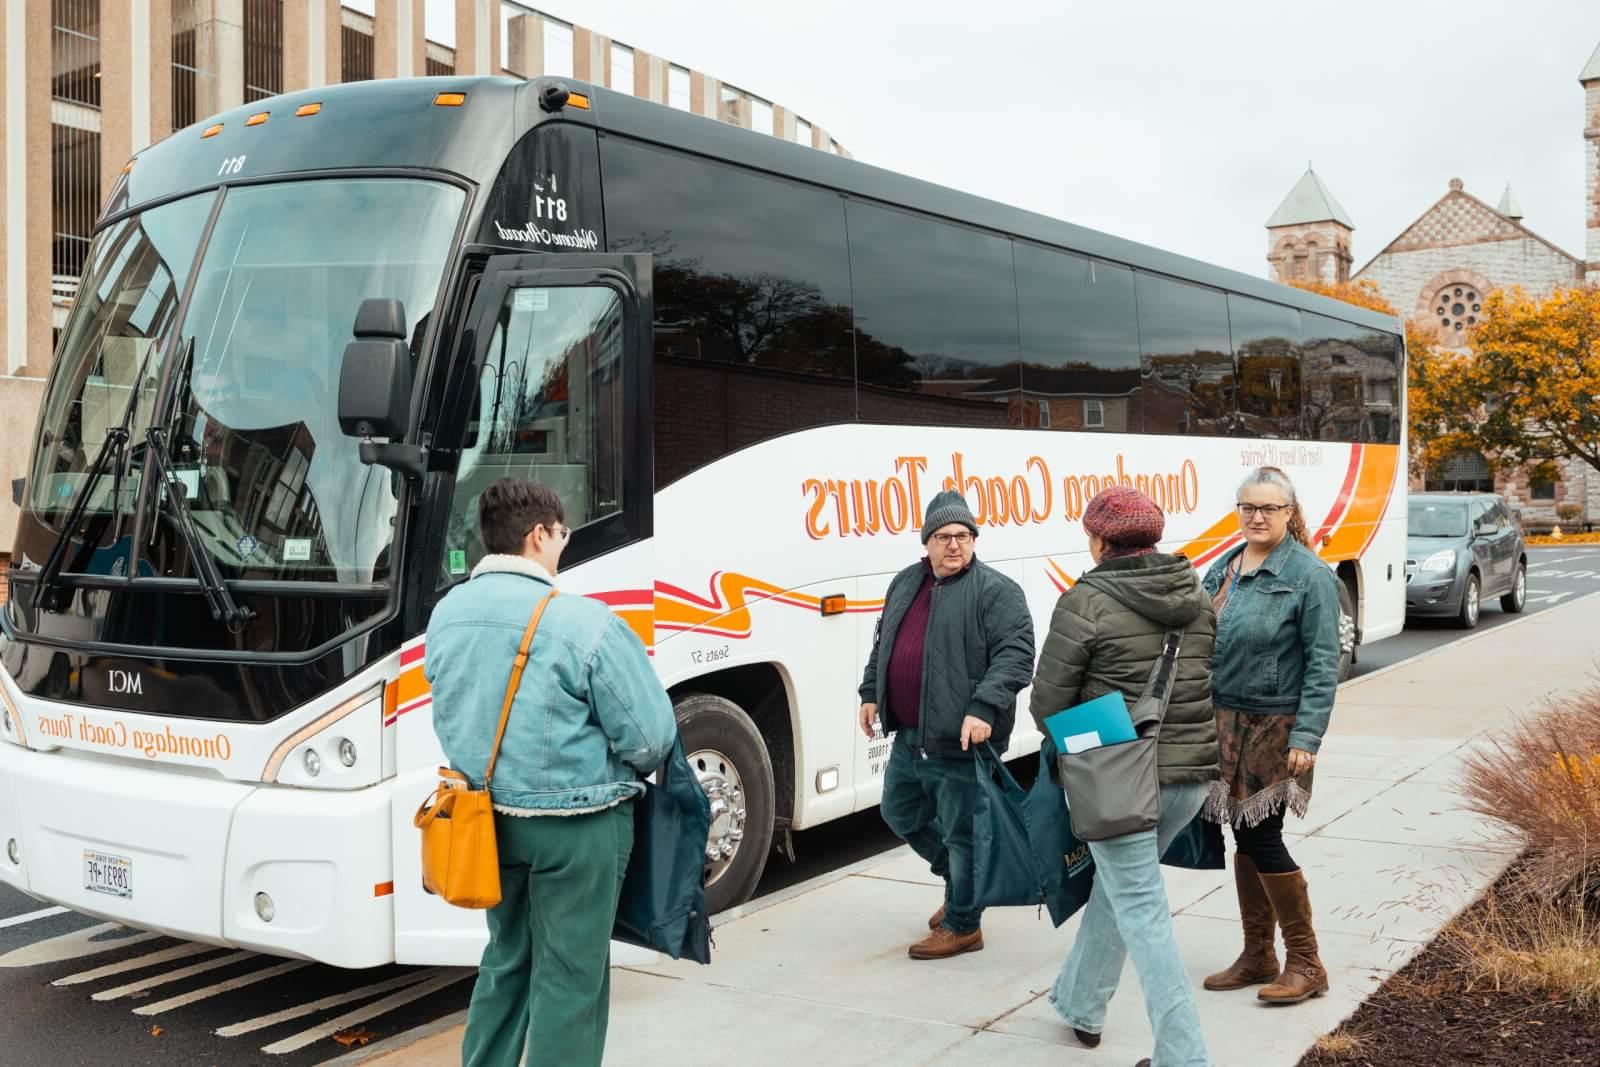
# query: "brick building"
1439,270
92,82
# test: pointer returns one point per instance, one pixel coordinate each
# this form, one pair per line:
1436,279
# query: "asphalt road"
75,992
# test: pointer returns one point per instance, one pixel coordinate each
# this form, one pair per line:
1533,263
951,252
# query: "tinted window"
1380,382
1266,344
1187,361
1338,366
936,321
752,300
1080,342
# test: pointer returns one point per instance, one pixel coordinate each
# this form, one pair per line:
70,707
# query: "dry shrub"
1341,1042
1546,946
1541,778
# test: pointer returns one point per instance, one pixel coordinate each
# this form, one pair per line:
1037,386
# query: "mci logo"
125,682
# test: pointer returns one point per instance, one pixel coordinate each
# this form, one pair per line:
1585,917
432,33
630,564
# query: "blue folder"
1093,724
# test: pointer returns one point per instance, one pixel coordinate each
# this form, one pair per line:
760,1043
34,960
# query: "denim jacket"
589,717
1277,650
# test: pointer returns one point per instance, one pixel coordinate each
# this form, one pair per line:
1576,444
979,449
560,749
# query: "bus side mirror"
375,387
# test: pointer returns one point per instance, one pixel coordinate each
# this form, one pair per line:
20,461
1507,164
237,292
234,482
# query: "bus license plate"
108,874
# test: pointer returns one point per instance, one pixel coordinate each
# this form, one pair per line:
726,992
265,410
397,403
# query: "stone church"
1438,270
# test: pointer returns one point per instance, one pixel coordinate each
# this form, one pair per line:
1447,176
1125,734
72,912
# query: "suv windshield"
275,489
1437,518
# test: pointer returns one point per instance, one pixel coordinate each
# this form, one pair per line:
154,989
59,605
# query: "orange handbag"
460,861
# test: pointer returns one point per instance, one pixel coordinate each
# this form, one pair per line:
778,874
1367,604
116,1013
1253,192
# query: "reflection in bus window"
936,321
1188,357
549,408
1266,338
752,336
1080,342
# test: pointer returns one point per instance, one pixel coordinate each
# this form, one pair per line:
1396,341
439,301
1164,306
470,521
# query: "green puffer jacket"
1106,634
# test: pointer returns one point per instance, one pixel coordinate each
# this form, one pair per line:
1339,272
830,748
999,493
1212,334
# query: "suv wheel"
1513,602
1471,603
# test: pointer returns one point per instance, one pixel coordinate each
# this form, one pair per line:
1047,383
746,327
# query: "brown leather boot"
942,944
936,918
1303,974
1258,962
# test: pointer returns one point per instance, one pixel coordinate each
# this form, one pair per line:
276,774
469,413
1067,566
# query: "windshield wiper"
223,607
43,592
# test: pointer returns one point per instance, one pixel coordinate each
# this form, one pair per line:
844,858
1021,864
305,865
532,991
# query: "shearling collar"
505,564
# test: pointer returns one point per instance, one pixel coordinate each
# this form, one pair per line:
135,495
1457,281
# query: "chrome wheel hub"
1472,601
723,787
1347,634
1521,595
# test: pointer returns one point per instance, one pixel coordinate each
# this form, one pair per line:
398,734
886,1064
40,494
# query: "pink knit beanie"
1127,520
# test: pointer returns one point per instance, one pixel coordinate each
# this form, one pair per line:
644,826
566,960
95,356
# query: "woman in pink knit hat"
1105,636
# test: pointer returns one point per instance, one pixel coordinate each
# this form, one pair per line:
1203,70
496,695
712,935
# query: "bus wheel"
1347,631
729,757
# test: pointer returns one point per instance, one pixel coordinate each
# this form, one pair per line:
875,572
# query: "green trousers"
545,979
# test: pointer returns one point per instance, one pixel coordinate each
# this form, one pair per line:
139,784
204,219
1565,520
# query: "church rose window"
1457,307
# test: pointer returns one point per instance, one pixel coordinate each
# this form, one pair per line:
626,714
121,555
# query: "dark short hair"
510,508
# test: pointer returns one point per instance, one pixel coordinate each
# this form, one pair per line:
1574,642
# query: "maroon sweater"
905,661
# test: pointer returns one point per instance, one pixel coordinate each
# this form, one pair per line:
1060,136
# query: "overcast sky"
1159,120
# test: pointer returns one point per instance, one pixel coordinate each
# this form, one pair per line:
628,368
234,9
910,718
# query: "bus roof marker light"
578,100
258,119
305,110
211,131
450,100
554,97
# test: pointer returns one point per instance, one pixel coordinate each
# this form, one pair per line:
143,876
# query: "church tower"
1308,237
1590,79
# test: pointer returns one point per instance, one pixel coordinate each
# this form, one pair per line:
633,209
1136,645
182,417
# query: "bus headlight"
11,720
341,749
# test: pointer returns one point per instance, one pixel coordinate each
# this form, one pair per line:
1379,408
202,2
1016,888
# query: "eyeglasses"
1271,511
563,532
953,538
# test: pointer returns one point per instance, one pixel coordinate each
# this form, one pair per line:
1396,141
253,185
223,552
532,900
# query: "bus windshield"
275,489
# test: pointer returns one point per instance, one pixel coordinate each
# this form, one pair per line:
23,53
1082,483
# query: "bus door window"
549,407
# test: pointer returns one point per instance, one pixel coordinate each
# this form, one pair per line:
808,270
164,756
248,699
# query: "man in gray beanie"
954,646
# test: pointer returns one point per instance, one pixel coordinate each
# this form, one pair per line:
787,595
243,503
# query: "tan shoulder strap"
516,679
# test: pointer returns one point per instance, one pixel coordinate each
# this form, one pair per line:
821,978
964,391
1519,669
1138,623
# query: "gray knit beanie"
949,506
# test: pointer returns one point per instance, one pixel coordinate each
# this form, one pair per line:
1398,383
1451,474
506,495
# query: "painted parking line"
32,916
362,1014
138,963
261,1022
72,946
172,976
183,1000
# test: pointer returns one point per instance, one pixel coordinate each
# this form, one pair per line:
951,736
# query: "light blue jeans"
1127,915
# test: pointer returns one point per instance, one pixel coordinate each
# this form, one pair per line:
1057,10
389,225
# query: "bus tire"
728,755
1347,630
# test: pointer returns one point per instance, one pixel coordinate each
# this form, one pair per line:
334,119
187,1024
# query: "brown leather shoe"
942,944
1258,962
936,918
1303,975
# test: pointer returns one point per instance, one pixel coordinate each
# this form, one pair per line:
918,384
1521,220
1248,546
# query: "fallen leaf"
155,1031
359,1036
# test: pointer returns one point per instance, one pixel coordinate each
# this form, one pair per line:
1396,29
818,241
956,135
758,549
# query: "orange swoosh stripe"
726,610
1368,503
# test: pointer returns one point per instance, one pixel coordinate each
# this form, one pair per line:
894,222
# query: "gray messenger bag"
1114,790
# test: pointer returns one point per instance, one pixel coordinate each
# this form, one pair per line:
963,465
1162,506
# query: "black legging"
1263,843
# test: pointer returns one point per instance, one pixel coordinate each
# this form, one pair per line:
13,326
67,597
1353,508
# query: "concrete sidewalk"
820,973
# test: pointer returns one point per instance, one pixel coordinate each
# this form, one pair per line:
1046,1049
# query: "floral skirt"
1255,782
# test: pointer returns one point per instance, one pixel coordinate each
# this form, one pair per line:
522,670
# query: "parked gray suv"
1460,549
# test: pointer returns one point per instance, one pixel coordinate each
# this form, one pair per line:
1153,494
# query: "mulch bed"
1431,1013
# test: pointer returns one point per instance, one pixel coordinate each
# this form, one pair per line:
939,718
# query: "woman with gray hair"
1275,668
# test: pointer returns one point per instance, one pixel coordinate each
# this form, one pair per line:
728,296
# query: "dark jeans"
928,804
1263,843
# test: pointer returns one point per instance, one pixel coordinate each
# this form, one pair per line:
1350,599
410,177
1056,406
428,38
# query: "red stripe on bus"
1343,501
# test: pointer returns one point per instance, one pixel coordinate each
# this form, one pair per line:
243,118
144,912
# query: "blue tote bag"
1024,851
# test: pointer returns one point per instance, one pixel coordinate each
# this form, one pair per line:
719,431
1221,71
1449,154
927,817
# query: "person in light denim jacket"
1275,669
589,719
